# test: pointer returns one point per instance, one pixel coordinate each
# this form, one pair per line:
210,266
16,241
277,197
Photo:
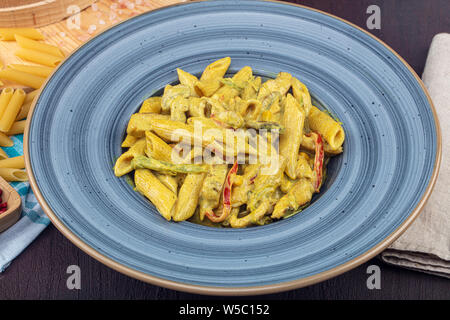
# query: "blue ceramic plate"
375,189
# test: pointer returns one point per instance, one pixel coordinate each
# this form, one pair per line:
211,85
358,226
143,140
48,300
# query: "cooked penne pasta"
155,191
16,163
156,148
188,196
21,77
27,43
11,111
7,34
210,80
12,174
151,105
123,164
129,141
189,80
38,57
331,130
230,151
293,121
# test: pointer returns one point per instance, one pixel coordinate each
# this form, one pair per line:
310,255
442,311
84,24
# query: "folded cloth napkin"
32,221
425,246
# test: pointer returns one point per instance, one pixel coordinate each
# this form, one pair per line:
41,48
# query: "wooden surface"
40,272
35,13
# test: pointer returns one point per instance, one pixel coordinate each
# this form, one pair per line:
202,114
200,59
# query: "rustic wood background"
40,272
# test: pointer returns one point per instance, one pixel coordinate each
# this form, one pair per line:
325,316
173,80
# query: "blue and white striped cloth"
32,221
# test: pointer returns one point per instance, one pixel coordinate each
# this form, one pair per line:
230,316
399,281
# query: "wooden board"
35,13
68,34
9,195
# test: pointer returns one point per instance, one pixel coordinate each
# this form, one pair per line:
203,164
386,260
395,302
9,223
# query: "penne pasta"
27,43
5,97
210,80
123,163
7,34
41,71
12,174
155,191
188,196
187,79
293,121
31,95
38,57
16,163
5,141
129,141
182,144
3,154
156,148
27,79
169,181
11,111
18,127
151,105
23,113
325,125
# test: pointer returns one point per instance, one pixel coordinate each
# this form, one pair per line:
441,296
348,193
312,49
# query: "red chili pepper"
226,196
318,162
218,122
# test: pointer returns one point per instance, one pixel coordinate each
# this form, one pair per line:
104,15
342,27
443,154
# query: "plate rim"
249,290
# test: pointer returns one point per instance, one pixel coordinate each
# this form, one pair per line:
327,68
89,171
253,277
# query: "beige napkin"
425,246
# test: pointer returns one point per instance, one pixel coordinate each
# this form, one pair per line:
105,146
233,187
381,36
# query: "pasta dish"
229,151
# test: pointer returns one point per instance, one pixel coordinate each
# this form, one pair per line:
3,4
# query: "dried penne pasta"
5,97
13,108
31,95
21,77
41,71
5,141
38,57
12,174
3,154
23,113
27,43
7,34
18,127
15,162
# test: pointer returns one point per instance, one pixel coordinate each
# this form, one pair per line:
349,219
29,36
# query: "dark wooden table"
408,27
